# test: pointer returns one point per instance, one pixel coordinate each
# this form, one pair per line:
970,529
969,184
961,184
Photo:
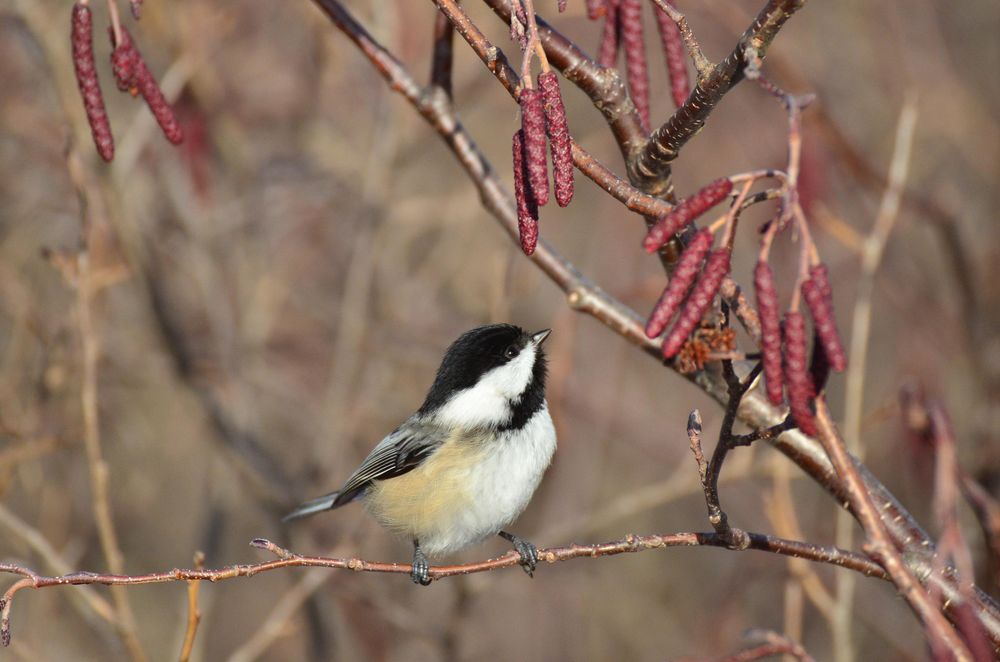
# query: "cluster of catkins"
543,119
699,273
131,75
623,31
783,342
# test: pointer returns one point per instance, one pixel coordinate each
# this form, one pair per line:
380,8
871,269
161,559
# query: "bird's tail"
312,507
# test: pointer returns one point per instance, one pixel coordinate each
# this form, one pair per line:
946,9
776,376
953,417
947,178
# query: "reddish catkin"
770,330
82,40
125,63
685,212
636,69
686,270
821,275
675,55
716,268
596,9
533,125
142,79
816,291
607,51
558,133
527,208
797,378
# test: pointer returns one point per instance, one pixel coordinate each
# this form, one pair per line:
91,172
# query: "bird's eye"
511,351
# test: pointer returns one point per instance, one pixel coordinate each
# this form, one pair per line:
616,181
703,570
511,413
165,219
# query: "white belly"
499,488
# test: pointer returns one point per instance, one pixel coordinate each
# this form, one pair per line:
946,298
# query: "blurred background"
273,296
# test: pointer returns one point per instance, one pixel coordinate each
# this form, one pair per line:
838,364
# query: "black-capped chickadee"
466,464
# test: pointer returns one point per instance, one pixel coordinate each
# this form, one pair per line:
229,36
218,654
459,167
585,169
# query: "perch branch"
287,559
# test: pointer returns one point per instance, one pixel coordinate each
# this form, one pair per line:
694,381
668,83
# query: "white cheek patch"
488,402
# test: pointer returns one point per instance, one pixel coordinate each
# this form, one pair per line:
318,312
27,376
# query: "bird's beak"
538,338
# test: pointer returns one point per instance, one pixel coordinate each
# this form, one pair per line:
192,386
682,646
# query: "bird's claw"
420,570
527,551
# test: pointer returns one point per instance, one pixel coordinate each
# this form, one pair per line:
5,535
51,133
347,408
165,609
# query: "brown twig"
873,249
287,559
712,470
194,615
879,544
100,500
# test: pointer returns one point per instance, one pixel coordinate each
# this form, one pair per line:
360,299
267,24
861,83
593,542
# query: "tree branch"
287,559
650,169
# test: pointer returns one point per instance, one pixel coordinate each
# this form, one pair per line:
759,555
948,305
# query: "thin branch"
100,500
879,544
18,529
873,249
287,559
701,63
711,472
194,615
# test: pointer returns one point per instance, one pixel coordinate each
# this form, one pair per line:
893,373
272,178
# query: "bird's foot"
420,571
524,549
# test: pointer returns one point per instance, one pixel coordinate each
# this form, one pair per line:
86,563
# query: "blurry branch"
14,454
873,248
441,58
78,270
273,487
286,559
18,529
952,546
944,223
584,296
284,609
771,644
987,510
780,509
880,546
194,616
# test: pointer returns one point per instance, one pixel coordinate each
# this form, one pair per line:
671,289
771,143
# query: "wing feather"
400,452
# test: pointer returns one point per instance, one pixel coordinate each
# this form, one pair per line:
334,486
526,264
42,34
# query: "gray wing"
400,452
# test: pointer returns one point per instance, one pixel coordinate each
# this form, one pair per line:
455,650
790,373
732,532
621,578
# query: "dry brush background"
278,290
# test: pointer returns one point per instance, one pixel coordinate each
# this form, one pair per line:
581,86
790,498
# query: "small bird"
467,462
